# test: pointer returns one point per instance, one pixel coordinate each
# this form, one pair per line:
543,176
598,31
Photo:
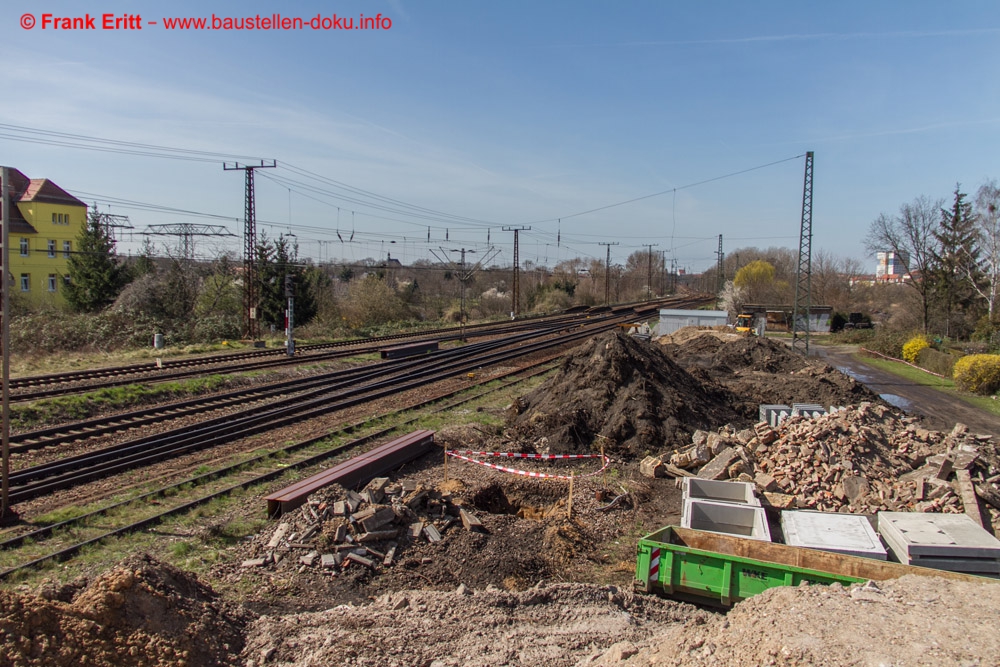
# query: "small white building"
671,320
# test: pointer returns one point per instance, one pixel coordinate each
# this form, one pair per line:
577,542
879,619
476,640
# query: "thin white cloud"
803,37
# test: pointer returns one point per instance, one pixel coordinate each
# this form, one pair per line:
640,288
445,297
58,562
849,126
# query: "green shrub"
912,348
978,373
888,342
941,363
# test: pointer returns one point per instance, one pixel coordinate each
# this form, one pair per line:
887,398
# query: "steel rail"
54,435
79,521
46,478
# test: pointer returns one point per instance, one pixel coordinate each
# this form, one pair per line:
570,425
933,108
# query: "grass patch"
82,406
60,515
987,404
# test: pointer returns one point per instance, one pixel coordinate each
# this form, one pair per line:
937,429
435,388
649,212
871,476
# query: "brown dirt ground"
535,587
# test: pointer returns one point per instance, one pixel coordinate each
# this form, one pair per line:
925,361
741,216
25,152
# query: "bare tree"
987,219
910,236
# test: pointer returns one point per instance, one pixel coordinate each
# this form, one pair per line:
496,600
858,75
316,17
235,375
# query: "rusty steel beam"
354,472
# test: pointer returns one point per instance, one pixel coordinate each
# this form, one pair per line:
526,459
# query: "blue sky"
519,113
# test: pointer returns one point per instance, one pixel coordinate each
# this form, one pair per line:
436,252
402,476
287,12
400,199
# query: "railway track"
71,382
59,384
295,390
41,480
276,464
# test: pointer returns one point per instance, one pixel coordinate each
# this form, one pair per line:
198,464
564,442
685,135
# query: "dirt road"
940,410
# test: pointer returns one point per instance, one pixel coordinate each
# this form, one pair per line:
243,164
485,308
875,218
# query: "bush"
912,348
934,361
889,342
978,373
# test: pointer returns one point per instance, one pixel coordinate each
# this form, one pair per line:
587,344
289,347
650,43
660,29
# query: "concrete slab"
808,409
981,566
850,534
726,518
916,535
740,493
774,414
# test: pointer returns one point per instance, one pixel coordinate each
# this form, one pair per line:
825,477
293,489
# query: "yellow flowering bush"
912,347
978,373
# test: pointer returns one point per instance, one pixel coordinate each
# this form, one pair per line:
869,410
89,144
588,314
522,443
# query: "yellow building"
45,224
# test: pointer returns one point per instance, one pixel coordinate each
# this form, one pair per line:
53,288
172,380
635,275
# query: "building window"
66,280
52,248
55,218
66,219
67,248
52,282
24,247
25,282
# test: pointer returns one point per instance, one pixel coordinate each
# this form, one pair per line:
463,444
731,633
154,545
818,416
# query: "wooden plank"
963,484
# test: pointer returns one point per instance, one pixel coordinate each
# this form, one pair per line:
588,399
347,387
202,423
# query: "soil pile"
759,370
142,613
551,625
624,390
908,621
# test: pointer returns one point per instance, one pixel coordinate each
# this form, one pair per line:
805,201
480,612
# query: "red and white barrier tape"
466,455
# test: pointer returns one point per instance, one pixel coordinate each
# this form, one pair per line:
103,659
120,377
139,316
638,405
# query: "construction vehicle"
744,323
638,330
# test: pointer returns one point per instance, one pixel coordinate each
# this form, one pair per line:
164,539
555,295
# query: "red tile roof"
44,190
19,184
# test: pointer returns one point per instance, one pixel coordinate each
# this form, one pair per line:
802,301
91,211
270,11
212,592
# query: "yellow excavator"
744,323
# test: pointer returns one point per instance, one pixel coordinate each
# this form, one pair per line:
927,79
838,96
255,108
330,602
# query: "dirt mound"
732,353
552,625
141,613
760,370
908,621
625,390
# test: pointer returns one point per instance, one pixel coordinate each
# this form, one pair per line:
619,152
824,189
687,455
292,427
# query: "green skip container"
711,568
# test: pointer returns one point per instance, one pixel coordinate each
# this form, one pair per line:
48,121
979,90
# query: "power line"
682,187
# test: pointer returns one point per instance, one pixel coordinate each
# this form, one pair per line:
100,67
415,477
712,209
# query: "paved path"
940,410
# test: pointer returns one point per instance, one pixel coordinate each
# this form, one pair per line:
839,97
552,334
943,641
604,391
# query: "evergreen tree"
955,266
275,260
96,276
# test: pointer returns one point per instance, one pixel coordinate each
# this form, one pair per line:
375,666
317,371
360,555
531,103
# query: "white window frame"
53,282
25,247
25,282
52,248
55,218
67,249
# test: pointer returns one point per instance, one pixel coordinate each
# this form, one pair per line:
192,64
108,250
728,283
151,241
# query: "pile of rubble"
862,459
336,529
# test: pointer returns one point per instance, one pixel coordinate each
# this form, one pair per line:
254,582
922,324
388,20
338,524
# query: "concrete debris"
718,468
340,528
651,467
861,459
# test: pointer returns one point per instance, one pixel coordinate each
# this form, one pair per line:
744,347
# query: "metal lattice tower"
186,231
803,282
249,248
516,296
110,222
